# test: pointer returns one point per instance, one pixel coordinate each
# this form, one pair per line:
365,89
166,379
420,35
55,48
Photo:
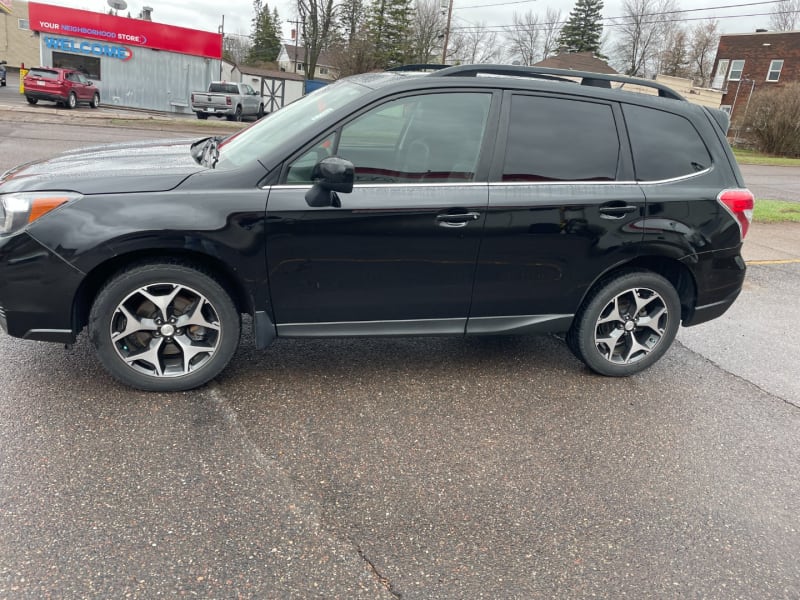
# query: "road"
413,468
773,183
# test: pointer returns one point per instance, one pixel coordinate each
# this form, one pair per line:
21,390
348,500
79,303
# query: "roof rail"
591,79
419,67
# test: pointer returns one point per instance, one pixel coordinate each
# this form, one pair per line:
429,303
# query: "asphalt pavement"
415,468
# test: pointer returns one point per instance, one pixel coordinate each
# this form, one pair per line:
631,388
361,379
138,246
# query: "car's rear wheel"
72,100
31,100
203,116
95,100
626,323
260,112
164,327
237,115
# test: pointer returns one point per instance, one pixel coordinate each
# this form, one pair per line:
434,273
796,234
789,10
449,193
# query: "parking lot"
413,468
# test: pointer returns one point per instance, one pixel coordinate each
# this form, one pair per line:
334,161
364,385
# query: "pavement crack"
737,376
384,581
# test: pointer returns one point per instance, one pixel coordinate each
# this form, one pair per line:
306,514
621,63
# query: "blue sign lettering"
92,48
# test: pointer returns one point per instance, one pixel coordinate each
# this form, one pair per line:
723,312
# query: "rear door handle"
611,211
457,219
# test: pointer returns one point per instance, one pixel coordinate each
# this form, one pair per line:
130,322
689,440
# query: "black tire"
72,100
628,321
169,341
237,115
31,100
202,116
95,100
260,112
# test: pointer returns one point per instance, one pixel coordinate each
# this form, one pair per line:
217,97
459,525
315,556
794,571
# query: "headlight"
17,210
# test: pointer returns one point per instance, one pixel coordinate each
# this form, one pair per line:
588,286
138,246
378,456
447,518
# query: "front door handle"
457,219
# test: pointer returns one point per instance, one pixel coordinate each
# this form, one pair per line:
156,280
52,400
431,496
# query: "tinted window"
43,73
428,138
223,88
552,139
664,145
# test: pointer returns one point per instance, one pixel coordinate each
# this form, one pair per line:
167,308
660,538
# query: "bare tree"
785,15
703,42
317,28
523,37
236,47
674,59
641,33
357,56
551,31
427,29
477,45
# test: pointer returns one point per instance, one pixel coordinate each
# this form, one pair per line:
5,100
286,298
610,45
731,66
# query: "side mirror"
330,175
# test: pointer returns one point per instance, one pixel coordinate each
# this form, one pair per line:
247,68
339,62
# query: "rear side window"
43,73
664,145
554,139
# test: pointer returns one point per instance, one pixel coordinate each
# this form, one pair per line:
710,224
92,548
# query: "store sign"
98,49
115,30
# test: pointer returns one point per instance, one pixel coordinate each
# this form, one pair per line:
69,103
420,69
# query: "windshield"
289,122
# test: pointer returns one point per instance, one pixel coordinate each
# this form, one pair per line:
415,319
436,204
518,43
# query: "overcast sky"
207,14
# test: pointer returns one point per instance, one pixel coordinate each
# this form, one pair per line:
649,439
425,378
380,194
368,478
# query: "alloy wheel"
631,325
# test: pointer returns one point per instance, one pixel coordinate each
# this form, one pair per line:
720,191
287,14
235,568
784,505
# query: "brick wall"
757,50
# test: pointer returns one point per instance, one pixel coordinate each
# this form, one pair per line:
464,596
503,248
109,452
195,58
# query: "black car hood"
149,166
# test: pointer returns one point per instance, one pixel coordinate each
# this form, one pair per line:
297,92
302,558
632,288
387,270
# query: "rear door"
563,209
399,255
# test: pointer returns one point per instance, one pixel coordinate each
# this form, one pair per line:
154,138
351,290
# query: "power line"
620,21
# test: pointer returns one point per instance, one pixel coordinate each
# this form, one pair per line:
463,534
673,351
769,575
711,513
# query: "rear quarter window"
664,145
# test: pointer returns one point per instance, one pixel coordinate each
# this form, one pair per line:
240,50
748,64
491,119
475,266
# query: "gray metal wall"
152,79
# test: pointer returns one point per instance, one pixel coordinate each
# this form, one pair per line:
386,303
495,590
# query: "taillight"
192,98
228,100
740,204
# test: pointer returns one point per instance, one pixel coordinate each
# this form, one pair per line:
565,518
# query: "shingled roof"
577,61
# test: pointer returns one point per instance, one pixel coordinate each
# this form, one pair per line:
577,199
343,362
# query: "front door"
399,254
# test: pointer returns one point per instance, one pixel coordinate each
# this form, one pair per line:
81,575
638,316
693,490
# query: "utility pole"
296,35
447,31
222,33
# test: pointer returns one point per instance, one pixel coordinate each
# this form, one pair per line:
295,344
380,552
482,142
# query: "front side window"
554,139
737,66
431,138
664,145
774,72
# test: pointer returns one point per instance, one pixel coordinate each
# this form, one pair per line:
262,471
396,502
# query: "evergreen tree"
582,31
390,27
266,34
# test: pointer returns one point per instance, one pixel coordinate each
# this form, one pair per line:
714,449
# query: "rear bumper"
37,289
719,277
40,95
214,110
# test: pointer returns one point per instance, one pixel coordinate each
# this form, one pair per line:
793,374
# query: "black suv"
397,203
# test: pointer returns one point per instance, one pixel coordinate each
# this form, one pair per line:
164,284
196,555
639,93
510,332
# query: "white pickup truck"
228,99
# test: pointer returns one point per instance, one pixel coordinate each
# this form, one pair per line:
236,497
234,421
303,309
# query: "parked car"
65,87
227,99
387,204
3,73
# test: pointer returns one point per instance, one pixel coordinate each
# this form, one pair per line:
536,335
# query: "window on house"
737,66
719,77
299,66
774,72
23,24
323,71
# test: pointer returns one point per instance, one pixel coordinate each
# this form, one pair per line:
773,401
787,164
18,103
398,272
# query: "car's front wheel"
95,100
72,100
626,323
164,327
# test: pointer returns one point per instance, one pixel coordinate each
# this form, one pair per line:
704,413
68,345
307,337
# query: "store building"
134,62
